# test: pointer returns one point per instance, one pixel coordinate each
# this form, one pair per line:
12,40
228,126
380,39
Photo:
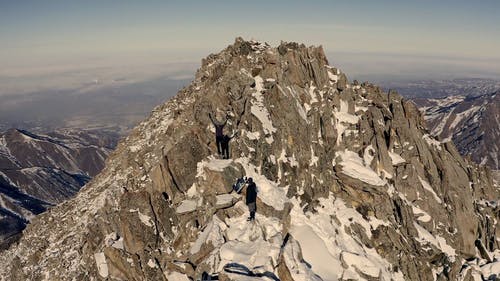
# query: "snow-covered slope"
350,187
38,171
471,122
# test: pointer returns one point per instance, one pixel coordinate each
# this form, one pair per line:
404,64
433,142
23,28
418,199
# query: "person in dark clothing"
225,145
219,132
251,199
205,276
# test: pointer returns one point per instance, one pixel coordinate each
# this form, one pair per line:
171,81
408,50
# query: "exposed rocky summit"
471,122
39,171
351,187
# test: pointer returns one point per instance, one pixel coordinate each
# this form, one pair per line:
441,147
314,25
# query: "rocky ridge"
351,187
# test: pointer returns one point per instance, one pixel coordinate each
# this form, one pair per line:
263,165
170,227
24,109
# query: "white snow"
259,110
314,158
186,206
428,187
355,260
422,215
151,263
224,199
176,276
327,243
134,148
312,93
192,191
437,130
333,77
432,141
464,114
145,219
212,163
254,245
491,268
343,116
112,240
268,191
360,108
316,253
343,119
354,167
251,135
299,270
212,233
102,266
300,108
439,242
396,158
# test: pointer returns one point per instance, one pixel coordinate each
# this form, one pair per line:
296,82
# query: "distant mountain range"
471,122
39,171
443,88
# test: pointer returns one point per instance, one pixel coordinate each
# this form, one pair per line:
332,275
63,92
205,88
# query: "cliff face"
351,187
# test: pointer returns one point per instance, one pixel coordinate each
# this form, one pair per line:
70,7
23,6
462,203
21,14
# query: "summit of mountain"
351,187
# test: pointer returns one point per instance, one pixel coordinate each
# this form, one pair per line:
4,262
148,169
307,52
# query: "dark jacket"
226,139
251,193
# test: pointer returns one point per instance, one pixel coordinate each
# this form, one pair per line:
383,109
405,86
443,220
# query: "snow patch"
151,263
145,219
212,233
314,158
354,167
439,242
327,243
259,110
186,206
224,200
174,275
396,158
432,141
213,164
268,191
428,187
102,266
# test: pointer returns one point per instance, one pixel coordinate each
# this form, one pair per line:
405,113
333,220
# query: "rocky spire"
351,186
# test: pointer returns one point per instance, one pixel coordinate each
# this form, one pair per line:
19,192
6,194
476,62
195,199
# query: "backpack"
205,276
240,183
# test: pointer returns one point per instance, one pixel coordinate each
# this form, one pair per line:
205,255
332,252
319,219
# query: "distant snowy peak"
350,187
471,122
38,171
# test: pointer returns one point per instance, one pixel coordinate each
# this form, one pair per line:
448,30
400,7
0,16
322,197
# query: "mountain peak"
351,186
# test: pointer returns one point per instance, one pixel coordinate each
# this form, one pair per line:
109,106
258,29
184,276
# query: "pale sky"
393,37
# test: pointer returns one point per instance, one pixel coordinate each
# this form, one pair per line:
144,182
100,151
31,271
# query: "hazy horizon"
43,41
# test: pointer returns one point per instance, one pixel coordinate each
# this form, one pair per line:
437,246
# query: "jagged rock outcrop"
351,187
39,171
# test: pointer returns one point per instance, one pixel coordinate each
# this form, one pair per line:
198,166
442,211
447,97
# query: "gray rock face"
350,187
39,171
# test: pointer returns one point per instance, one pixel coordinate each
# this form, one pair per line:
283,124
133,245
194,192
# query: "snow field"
326,245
